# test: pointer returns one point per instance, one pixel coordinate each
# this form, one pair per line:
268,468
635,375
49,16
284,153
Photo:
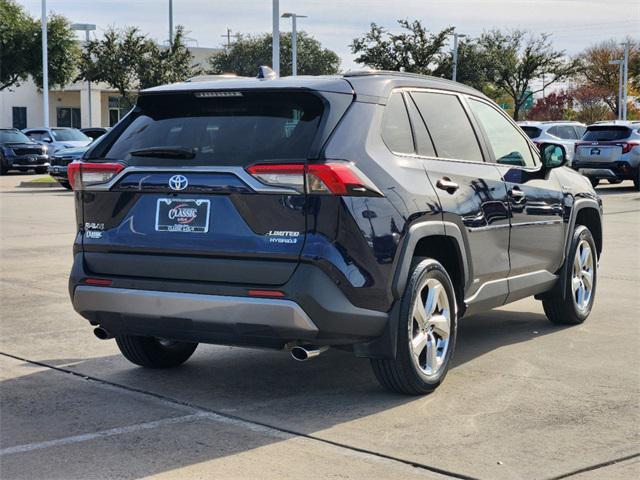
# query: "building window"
118,108
68,117
19,117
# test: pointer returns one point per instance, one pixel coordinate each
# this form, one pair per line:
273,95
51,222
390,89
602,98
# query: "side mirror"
552,155
47,139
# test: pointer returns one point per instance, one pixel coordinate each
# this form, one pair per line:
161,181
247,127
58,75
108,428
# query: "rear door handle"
446,184
517,195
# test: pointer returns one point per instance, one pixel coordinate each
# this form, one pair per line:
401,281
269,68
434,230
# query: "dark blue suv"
367,212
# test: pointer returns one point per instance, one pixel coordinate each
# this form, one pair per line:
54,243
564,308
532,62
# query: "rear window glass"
606,133
70,135
532,132
232,130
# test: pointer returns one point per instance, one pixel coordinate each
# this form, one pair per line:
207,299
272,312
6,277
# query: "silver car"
57,138
562,133
610,150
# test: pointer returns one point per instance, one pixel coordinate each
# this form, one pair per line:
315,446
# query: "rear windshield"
606,133
69,135
13,136
240,129
532,132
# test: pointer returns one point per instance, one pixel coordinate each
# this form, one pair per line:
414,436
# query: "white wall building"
22,106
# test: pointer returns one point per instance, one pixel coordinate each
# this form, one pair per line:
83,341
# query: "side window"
424,145
567,132
396,129
450,128
508,144
554,131
580,131
34,135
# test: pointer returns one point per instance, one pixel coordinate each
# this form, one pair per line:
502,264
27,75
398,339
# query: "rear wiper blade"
164,152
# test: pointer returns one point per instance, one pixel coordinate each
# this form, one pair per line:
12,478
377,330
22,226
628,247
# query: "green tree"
413,50
471,69
250,52
128,61
516,58
21,48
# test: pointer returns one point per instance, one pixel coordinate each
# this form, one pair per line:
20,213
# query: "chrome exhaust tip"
101,333
302,353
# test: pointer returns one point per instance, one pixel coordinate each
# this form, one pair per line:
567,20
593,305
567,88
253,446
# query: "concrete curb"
39,185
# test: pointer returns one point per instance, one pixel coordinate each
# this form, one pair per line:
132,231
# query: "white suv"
563,134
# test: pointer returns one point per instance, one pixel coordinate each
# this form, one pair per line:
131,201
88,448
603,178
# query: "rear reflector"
98,282
266,293
83,174
331,178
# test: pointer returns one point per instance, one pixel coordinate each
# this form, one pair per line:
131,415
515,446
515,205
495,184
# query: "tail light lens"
331,178
628,146
83,174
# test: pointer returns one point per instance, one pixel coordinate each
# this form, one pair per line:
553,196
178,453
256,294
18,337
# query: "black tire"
594,182
614,181
561,307
151,352
65,184
401,374
3,167
636,181
41,170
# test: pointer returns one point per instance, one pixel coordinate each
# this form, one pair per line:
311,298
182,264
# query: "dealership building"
22,106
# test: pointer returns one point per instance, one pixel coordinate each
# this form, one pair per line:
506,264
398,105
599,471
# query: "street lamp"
45,65
456,36
170,22
86,28
620,99
275,38
294,40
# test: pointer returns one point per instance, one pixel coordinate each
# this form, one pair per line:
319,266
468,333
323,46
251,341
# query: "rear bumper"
607,170
313,310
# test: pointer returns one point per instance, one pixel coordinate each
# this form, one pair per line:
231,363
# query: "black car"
19,152
60,161
367,212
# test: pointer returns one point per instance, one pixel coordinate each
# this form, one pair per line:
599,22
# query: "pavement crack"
250,424
597,466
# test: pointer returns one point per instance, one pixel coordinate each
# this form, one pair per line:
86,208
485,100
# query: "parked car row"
45,149
605,150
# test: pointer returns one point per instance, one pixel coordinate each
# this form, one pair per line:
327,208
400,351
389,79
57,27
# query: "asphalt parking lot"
525,399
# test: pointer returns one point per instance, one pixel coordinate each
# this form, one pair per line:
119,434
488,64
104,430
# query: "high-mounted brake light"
82,174
331,178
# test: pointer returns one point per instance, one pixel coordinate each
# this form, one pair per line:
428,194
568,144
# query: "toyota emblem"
178,182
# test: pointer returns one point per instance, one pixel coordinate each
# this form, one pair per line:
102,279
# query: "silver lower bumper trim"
597,172
213,309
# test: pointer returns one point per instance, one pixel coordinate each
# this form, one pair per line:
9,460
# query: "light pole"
620,63
170,22
86,28
45,65
625,80
456,36
275,38
294,40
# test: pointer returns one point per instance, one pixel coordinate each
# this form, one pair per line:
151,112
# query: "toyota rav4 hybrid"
611,151
367,212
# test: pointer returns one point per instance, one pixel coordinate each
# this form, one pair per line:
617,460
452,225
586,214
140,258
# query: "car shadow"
263,386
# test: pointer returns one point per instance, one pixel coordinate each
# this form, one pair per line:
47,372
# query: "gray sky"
574,24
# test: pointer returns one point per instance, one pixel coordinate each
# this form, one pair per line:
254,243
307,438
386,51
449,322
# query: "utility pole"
294,40
543,86
228,35
275,35
625,80
86,27
170,22
45,65
456,36
620,64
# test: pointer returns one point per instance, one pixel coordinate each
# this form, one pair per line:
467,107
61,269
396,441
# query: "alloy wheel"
582,277
430,327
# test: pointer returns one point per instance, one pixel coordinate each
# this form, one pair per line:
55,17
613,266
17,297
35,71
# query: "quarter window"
450,128
396,129
509,146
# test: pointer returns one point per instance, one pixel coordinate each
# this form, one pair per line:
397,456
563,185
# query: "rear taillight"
83,174
628,146
330,178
